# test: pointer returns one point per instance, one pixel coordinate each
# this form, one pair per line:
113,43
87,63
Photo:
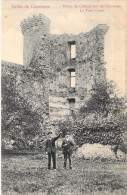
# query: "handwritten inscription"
81,7
30,6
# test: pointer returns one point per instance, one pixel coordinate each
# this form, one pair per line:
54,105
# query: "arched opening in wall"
71,102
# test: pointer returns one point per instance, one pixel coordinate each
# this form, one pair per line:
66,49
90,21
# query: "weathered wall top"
44,82
11,64
103,28
40,21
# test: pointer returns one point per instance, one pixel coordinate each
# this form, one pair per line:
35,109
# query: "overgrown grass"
29,175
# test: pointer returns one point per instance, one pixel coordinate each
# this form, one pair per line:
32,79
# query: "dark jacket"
50,144
67,146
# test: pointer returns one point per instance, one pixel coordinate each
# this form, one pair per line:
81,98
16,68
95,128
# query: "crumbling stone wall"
44,80
89,66
37,60
34,30
29,84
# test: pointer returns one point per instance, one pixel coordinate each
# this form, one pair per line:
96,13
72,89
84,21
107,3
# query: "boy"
67,150
50,149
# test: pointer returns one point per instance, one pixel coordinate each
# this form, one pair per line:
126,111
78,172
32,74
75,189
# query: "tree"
104,118
18,118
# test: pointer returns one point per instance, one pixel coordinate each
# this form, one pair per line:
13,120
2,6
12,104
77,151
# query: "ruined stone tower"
68,65
35,32
36,57
59,70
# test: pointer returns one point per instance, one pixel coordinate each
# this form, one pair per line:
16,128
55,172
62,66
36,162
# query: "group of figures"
50,149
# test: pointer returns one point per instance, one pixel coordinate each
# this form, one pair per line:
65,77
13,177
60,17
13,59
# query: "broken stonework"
44,78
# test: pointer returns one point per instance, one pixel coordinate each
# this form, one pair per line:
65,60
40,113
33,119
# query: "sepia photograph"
64,97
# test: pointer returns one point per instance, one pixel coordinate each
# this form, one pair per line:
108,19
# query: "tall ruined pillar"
100,70
34,30
36,55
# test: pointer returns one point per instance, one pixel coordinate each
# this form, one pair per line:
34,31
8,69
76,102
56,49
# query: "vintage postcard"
64,103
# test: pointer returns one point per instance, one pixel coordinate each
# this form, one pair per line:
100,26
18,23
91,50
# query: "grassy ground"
28,175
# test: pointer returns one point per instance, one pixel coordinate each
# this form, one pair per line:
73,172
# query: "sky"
73,21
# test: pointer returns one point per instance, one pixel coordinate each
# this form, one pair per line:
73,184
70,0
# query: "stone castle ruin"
59,71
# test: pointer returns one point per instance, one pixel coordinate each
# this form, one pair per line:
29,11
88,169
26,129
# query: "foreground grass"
29,175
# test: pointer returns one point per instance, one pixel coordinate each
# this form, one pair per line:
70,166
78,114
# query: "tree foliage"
104,118
19,121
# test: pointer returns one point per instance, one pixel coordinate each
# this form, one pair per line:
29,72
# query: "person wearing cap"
67,146
50,149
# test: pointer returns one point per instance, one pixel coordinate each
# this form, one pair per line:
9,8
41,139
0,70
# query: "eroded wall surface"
89,68
44,79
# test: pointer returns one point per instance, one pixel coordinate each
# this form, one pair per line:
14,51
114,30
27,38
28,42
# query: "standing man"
50,149
67,147
115,148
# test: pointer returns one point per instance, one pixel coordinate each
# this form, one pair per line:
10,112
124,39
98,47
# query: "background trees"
104,118
19,121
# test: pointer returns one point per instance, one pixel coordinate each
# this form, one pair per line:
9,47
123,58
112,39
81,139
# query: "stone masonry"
44,80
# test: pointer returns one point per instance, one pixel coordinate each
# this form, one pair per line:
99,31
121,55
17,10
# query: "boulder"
98,151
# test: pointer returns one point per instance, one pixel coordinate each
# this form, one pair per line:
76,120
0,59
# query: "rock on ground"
98,151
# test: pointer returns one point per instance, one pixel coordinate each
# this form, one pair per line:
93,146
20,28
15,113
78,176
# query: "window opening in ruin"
71,105
72,75
72,50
